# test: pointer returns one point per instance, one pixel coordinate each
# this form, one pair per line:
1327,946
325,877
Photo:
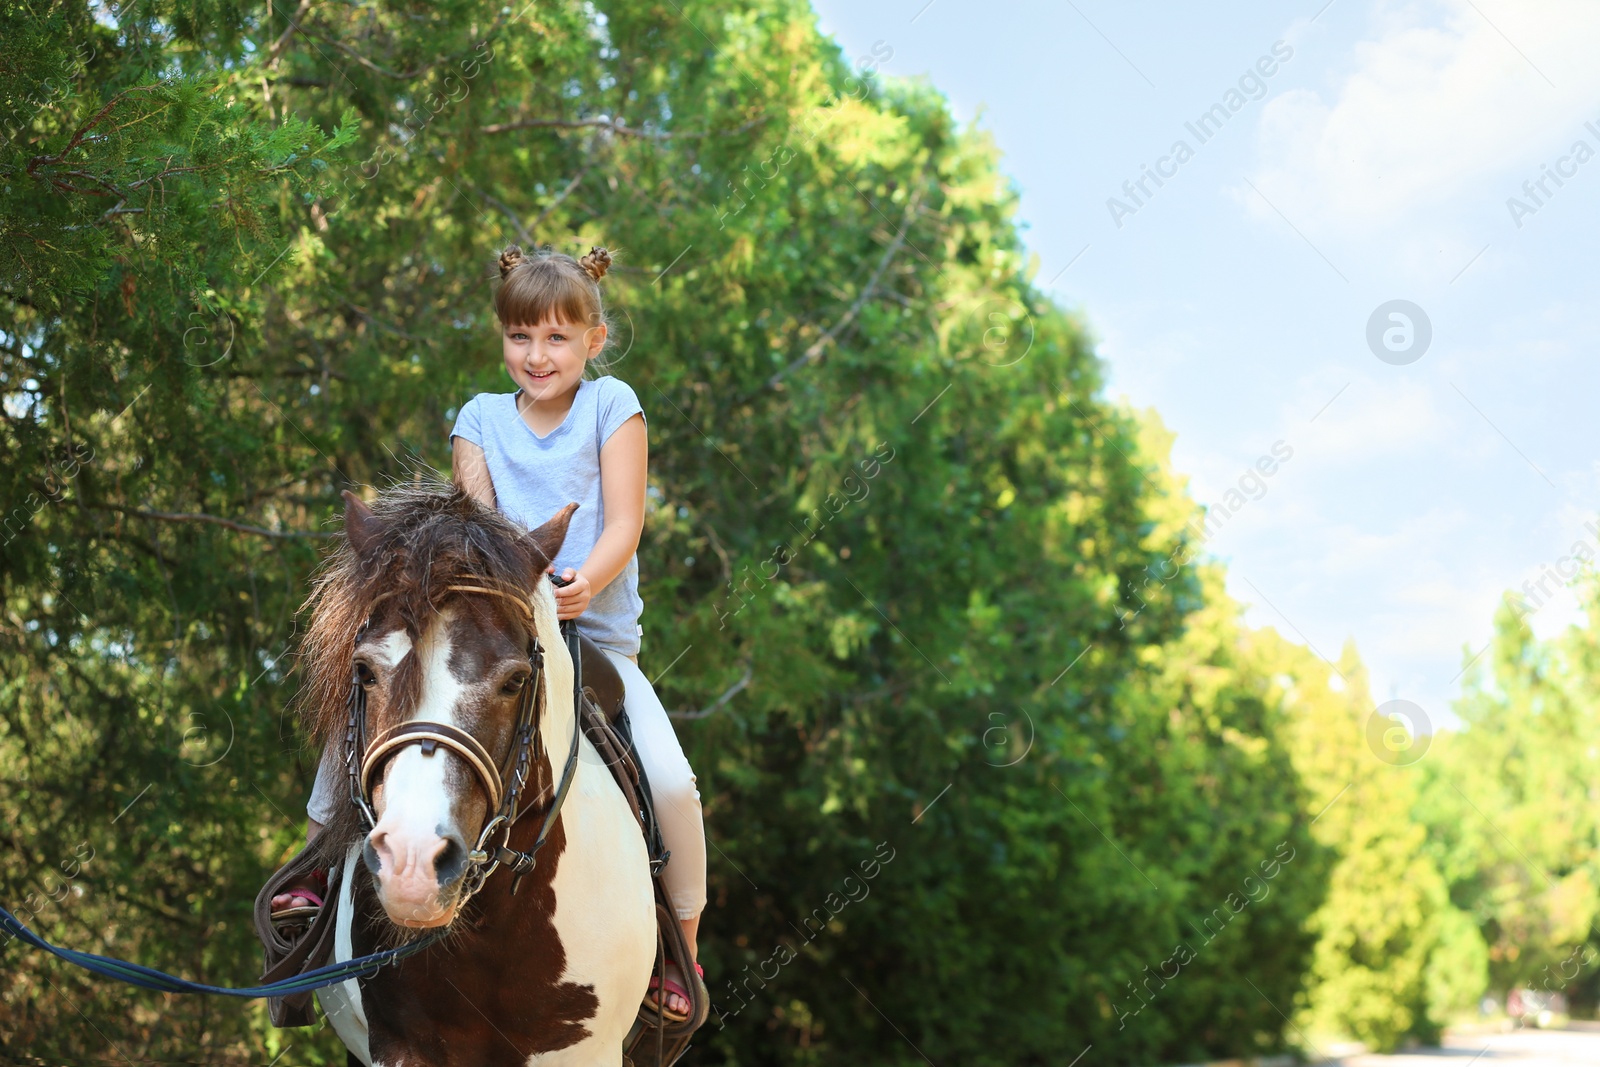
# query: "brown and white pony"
555,973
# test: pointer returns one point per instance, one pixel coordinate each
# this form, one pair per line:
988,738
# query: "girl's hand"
571,600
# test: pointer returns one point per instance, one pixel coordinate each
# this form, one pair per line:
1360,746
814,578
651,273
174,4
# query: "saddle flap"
600,677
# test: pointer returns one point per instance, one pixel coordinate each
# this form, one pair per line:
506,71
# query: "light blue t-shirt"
535,477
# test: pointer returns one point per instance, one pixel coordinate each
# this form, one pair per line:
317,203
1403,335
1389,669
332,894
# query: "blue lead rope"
148,978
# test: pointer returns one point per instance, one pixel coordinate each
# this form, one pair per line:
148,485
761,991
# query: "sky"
1357,154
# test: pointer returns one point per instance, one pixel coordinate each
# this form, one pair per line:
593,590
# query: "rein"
503,783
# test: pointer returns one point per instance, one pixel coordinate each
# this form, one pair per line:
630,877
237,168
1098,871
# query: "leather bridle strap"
503,784
523,862
428,735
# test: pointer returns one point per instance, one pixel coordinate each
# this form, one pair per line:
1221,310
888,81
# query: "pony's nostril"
369,855
451,861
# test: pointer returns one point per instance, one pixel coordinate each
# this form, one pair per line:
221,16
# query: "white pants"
672,788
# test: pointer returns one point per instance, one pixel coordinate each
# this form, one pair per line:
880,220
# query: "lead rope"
150,978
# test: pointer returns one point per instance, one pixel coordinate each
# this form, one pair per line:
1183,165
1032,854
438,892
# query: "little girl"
561,437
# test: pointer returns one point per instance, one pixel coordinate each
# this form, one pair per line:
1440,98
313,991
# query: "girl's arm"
470,471
624,462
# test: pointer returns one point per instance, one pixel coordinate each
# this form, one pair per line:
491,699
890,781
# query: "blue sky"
1376,162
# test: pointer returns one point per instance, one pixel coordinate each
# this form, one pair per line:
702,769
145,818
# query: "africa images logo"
1399,332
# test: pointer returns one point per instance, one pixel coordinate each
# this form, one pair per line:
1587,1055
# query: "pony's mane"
426,537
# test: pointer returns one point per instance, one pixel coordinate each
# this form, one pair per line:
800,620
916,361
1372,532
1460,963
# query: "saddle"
599,693
595,673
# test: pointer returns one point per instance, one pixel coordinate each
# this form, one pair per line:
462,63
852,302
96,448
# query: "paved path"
1521,1048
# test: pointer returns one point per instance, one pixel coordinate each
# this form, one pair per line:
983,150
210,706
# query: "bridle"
502,782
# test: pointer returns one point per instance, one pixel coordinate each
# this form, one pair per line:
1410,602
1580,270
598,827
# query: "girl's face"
547,360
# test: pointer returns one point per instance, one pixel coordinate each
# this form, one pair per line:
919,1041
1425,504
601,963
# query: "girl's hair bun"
509,260
595,264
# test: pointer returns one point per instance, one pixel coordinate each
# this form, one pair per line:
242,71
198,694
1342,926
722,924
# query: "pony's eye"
365,676
514,684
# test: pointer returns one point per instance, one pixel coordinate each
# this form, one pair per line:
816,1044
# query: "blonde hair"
550,285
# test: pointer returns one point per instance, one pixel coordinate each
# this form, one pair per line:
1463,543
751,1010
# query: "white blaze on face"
415,799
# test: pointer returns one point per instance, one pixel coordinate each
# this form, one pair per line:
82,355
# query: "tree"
1508,805
927,600
1387,924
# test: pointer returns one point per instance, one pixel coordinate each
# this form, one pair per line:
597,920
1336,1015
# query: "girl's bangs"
531,297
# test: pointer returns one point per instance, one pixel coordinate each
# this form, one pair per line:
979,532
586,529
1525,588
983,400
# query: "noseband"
502,782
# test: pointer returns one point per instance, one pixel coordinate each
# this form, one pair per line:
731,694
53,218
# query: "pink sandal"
302,915
672,987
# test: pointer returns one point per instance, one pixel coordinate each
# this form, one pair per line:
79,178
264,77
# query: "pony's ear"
546,540
360,524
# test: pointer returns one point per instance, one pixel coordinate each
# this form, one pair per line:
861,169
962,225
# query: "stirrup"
655,997
293,918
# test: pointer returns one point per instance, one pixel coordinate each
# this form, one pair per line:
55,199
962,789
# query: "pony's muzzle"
419,875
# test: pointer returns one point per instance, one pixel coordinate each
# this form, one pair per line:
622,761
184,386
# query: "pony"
438,609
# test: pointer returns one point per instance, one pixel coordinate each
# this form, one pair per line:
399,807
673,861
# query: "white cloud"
1441,103
1375,419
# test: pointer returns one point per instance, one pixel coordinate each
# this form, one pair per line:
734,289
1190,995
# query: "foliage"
1508,804
1386,908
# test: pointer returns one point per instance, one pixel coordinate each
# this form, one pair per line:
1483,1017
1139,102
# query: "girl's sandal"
285,919
657,1002
288,918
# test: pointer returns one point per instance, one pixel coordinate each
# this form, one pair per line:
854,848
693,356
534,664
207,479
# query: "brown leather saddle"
597,674
655,1039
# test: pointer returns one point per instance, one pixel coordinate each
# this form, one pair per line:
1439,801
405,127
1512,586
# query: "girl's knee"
667,771
677,790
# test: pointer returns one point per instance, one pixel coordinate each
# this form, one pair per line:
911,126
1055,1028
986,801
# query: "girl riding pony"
560,437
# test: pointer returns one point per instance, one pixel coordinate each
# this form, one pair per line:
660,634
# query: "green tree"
139,188
1509,805
1386,928
926,599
